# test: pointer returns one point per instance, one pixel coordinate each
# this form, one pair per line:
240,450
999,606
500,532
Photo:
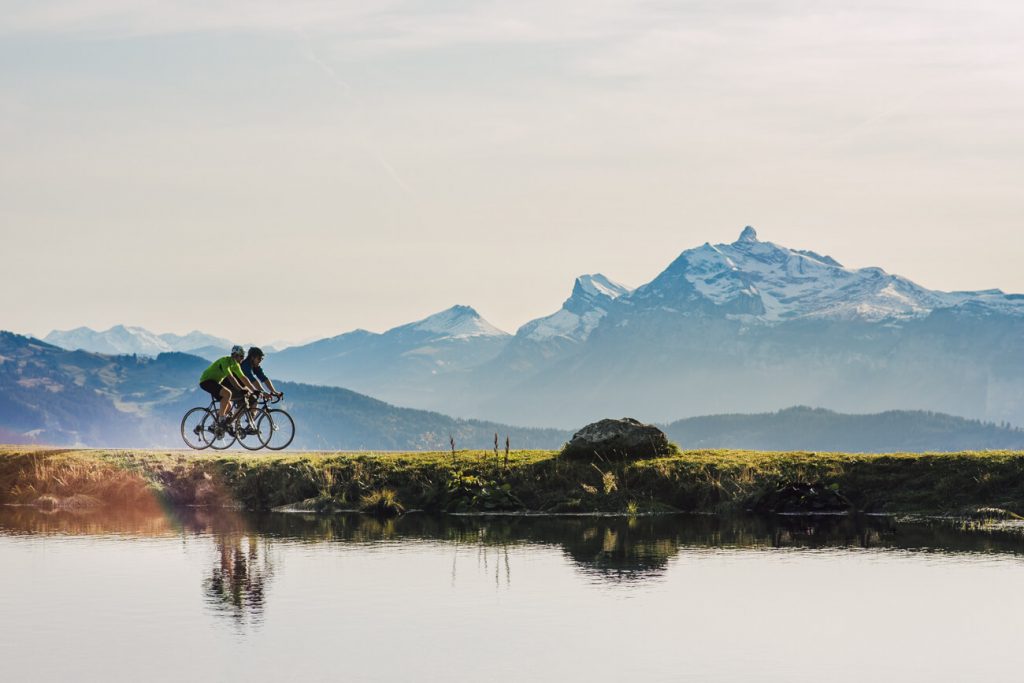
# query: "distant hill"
54,396
59,397
814,429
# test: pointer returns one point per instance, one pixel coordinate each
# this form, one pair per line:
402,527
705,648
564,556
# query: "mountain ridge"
58,397
746,326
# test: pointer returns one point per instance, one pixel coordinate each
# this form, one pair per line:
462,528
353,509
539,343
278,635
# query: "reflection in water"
237,584
615,549
301,597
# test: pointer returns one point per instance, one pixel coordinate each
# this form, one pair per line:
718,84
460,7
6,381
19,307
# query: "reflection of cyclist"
225,380
252,370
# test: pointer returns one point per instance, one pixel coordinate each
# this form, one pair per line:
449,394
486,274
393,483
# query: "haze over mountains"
750,326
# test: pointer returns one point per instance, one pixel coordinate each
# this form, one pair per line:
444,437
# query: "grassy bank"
705,481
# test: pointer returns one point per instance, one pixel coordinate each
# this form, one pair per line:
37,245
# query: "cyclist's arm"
259,374
236,371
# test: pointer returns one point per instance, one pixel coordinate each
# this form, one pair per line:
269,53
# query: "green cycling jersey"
221,368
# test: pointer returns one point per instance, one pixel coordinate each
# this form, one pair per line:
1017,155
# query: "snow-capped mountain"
752,326
117,340
590,300
122,339
457,322
194,340
749,326
410,362
765,282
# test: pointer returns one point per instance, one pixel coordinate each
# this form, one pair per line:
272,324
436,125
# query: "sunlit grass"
702,480
381,503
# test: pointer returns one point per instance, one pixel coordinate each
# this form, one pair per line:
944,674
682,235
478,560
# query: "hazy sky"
266,169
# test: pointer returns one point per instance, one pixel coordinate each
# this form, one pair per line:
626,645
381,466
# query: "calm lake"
225,596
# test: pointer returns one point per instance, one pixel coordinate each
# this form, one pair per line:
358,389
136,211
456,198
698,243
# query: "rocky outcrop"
624,439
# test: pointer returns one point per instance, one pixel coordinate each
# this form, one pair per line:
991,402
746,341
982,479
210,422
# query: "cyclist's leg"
225,403
217,391
235,393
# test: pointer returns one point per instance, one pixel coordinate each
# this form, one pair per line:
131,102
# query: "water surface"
221,595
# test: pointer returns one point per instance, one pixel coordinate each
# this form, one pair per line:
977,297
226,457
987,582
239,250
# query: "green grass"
706,481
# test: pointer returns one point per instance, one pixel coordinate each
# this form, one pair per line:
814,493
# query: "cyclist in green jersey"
225,380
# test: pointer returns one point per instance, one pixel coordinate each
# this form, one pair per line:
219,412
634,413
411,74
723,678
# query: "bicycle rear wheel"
281,428
192,428
217,437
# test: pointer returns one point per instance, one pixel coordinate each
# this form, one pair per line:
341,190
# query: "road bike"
258,426
201,429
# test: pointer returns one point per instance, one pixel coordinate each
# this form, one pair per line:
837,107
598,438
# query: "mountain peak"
748,235
598,285
591,296
457,322
772,283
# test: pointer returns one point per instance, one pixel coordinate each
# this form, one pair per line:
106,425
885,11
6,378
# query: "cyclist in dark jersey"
251,368
224,380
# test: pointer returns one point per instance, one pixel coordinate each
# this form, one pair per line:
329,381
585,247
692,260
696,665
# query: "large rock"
623,439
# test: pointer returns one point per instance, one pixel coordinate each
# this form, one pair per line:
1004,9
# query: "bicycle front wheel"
192,428
281,428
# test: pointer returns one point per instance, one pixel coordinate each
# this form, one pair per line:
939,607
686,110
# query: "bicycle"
281,427
200,428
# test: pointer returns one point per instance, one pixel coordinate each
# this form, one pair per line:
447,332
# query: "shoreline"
988,484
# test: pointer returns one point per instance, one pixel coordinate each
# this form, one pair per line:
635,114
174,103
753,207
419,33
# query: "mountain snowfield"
127,340
122,339
749,326
457,322
590,300
763,282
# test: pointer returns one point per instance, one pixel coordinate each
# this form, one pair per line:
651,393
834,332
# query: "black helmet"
255,351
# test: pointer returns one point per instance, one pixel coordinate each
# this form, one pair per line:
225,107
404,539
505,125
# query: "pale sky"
365,164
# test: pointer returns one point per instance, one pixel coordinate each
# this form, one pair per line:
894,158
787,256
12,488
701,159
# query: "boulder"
624,439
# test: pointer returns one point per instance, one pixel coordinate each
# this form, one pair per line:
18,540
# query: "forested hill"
52,396
58,397
815,429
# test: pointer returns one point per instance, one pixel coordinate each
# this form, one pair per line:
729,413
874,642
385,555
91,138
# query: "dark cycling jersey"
252,372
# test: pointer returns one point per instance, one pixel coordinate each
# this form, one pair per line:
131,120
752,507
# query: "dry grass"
61,482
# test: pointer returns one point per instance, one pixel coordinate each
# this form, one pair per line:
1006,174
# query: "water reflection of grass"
712,481
615,548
